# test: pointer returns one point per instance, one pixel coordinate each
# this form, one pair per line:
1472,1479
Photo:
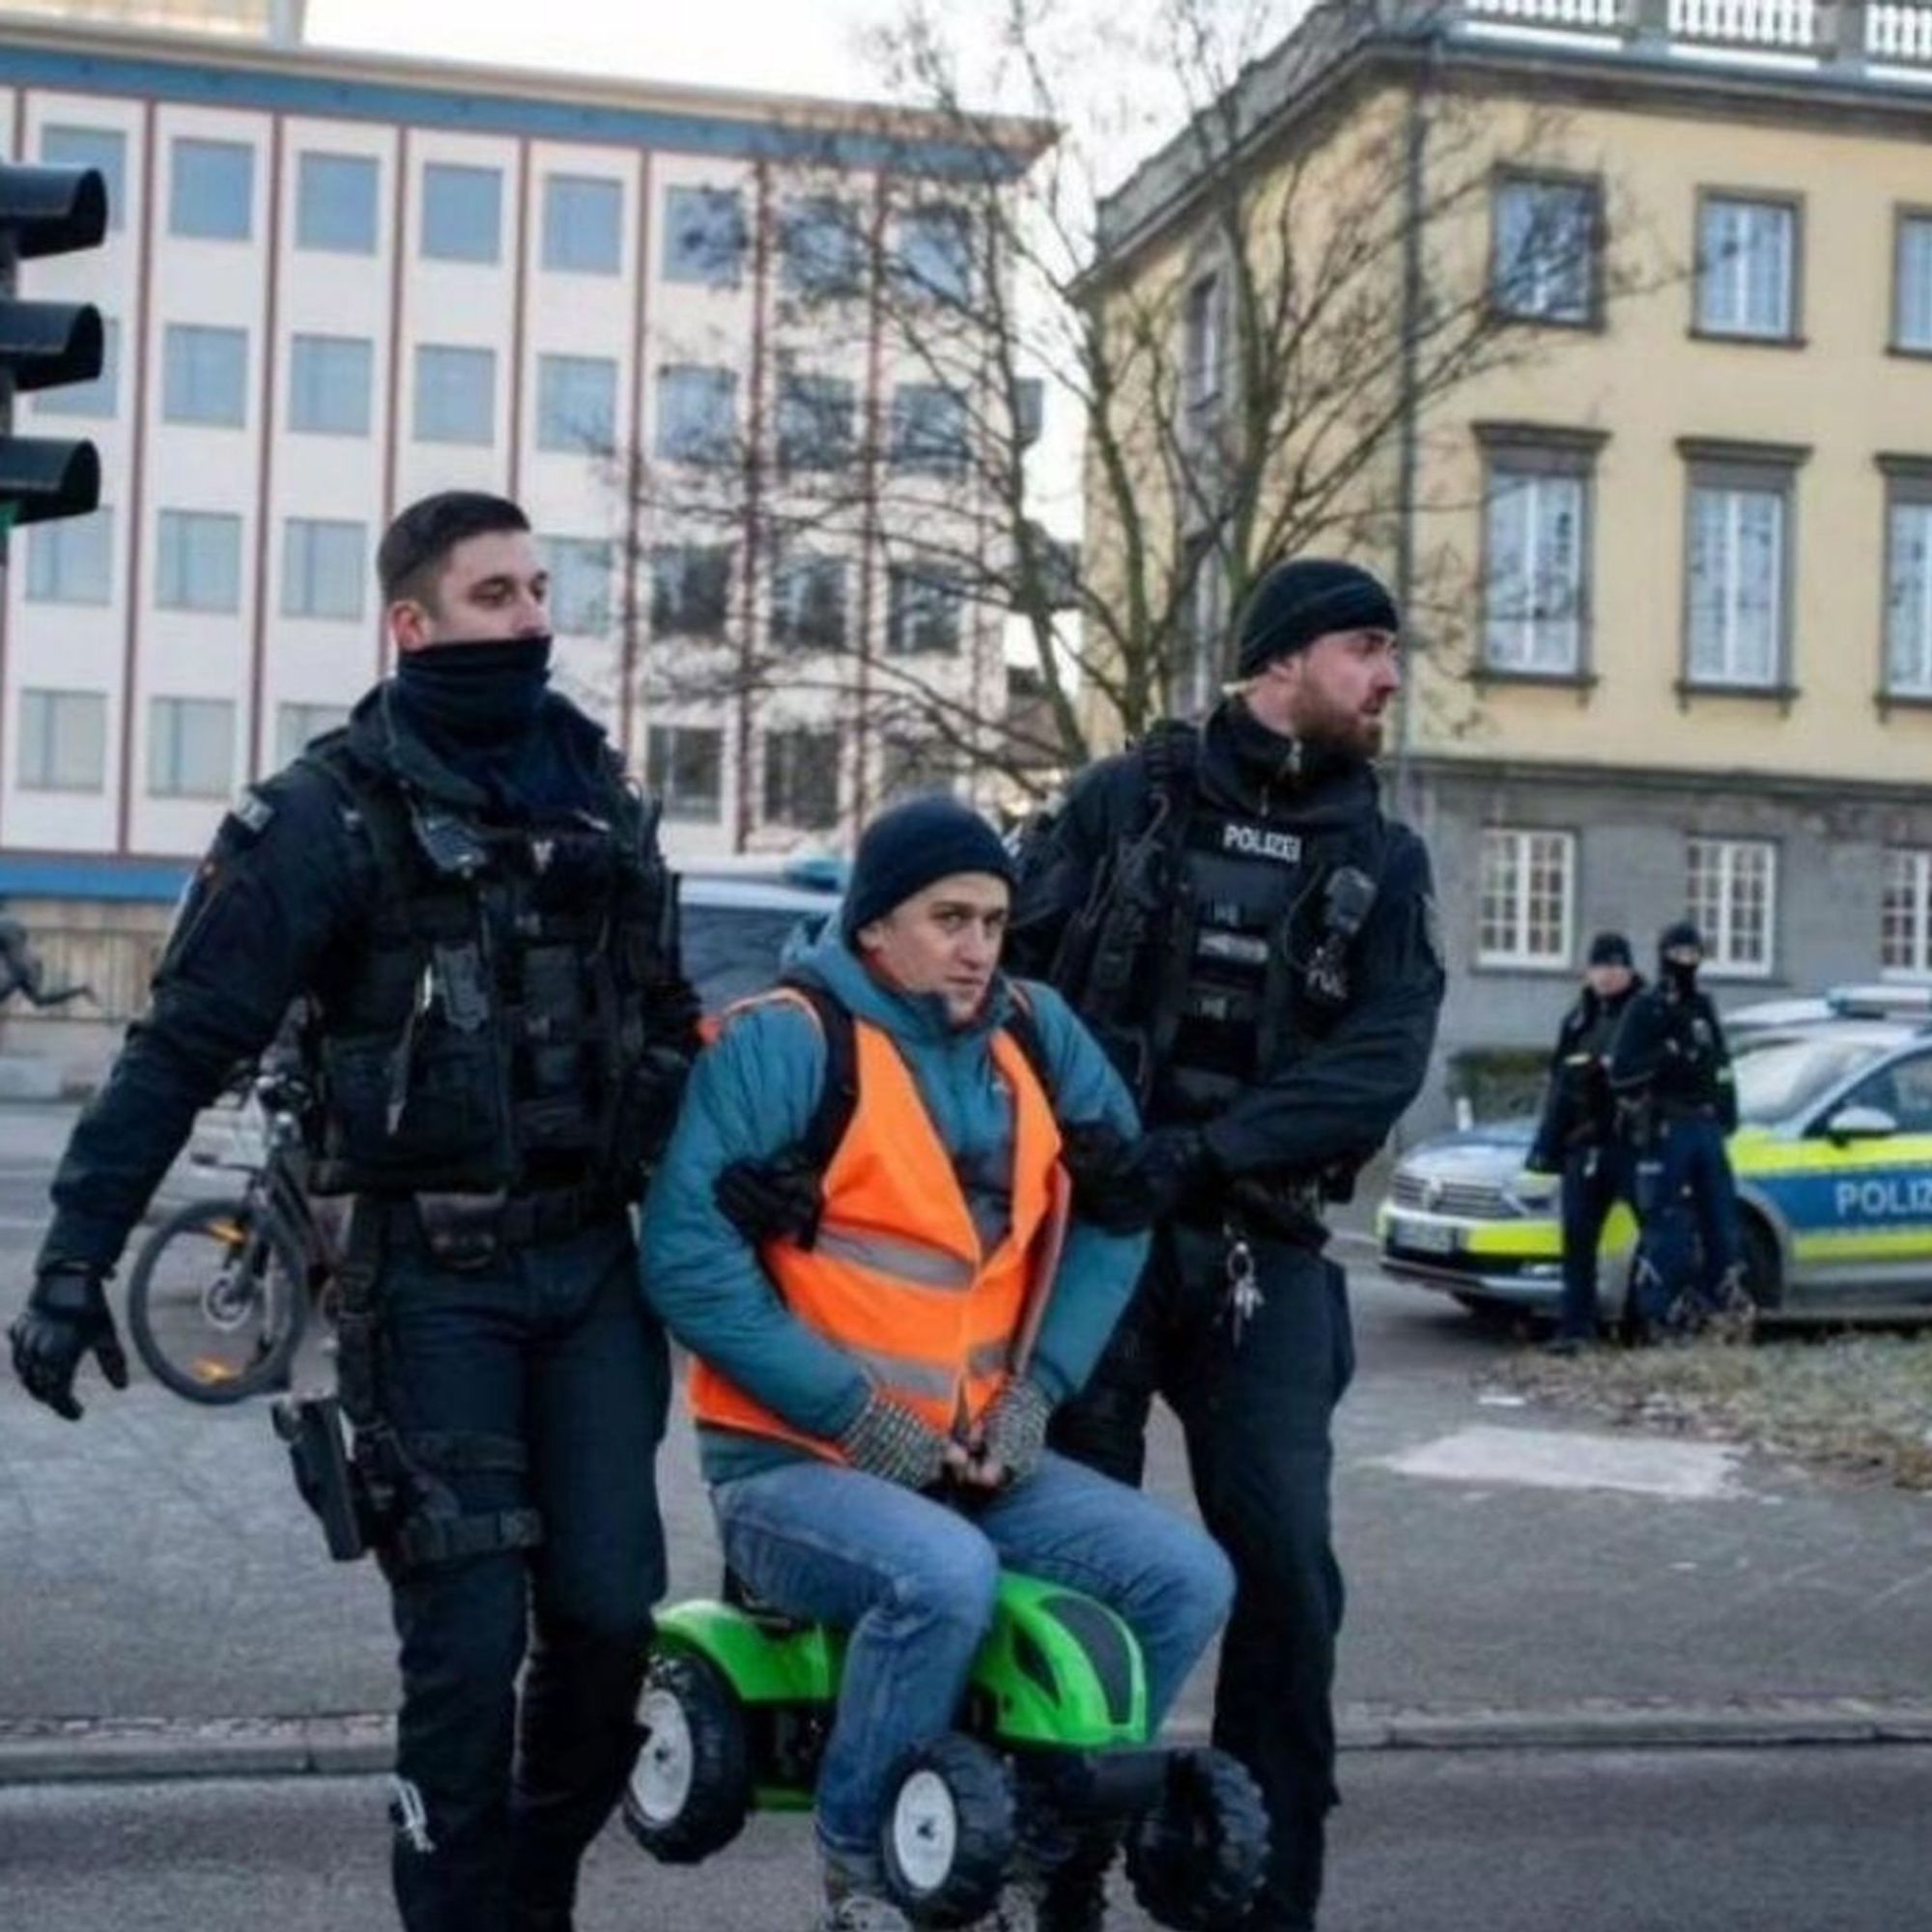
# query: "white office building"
334,283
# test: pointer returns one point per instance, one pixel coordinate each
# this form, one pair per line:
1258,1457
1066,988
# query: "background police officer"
1578,1135
1671,1073
474,906
1255,942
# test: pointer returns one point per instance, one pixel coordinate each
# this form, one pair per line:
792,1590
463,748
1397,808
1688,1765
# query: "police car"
1833,1158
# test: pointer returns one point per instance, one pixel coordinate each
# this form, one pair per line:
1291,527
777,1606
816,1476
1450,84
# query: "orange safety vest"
896,1276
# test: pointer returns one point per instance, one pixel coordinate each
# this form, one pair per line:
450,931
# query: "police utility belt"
470,1231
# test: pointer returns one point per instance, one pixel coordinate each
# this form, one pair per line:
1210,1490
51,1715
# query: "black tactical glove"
1014,1433
887,1439
65,1317
776,1200
1157,1176
1093,1154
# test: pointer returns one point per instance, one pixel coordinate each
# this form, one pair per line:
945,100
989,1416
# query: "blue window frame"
330,378
456,394
205,374
212,189
577,403
64,145
461,213
697,412
704,238
821,247
583,227
336,204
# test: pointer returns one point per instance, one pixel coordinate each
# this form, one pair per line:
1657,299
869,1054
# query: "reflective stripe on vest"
898,1277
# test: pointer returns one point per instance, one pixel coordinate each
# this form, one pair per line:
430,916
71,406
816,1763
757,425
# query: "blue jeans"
913,1580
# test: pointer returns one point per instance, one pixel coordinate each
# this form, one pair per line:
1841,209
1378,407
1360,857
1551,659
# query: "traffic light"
45,211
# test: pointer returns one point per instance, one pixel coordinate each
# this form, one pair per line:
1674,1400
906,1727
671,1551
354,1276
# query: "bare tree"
1248,342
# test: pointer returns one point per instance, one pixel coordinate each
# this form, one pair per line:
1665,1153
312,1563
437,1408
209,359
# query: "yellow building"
1666,538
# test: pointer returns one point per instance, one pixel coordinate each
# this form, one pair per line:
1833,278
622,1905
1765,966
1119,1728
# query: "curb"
58,1750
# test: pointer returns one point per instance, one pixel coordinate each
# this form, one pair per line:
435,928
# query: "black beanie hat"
1304,599
1611,949
1682,933
906,849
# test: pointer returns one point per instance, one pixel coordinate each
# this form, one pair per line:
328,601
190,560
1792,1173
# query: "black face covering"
478,694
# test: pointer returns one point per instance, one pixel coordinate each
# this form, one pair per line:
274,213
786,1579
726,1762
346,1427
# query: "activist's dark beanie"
1611,949
906,849
1304,599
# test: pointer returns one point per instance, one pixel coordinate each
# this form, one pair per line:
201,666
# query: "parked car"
738,921
1833,1163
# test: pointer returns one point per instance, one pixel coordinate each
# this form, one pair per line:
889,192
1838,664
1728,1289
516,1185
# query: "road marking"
1556,1458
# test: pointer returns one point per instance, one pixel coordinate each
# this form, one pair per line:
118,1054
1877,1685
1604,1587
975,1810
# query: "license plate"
1428,1238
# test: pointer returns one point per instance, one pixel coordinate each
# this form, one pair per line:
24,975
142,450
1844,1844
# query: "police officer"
474,905
1255,942
1578,1135
1670,1071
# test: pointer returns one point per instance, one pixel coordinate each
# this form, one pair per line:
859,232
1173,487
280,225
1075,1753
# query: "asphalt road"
1814,1841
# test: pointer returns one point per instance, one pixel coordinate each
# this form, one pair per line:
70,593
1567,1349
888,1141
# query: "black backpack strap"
839,1094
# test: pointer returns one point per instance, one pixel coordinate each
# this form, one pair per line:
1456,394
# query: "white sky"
789,46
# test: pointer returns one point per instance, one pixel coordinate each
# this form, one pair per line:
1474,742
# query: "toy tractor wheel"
691,1786
949,1831
1198,1857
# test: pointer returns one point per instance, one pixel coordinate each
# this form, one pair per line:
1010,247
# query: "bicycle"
221,1294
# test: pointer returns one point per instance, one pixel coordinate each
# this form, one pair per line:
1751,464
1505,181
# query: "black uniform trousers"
1594,1179
550,1346
1255,1400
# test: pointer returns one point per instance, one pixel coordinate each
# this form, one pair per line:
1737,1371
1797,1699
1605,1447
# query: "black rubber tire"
1764,1277
971,1782
1197,1859
710,1810
278,1331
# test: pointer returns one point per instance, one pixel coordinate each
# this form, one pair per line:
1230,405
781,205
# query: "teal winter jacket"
753,1095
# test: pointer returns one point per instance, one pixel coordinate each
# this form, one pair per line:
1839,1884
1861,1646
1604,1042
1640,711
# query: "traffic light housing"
43,344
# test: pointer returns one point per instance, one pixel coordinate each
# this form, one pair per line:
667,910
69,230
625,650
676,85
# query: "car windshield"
730,952
1776,1078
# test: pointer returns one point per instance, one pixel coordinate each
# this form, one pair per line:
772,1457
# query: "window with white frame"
821,247
325,567
298,724
924,604
329,382
698,413
461,213
1905,913
456,394
63,741
802,779
684,766
1546,249
72,560
336,204
1747,267
580,585
933,254
691,589
815,417
1739,564
577,403
1908,586
1203,339
205,374
704,237
928,429
190,746
1536,548
583,224
809,601
1911,284
212,189
197,560
1731,889
1525,898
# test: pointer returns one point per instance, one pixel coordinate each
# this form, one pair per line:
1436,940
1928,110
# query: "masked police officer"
1671,1069
473,904
1255,944
1577,1136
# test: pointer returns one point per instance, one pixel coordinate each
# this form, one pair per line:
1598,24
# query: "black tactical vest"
1248,968
491,1034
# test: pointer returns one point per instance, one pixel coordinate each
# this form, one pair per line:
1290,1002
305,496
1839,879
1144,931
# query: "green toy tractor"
739,1700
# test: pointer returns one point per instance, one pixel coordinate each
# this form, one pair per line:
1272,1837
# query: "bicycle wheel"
217,1302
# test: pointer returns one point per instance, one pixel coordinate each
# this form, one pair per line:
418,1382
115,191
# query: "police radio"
1346,904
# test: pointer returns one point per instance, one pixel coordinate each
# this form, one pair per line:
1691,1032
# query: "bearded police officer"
473,905
1255,944
1577,1136
1670,1071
